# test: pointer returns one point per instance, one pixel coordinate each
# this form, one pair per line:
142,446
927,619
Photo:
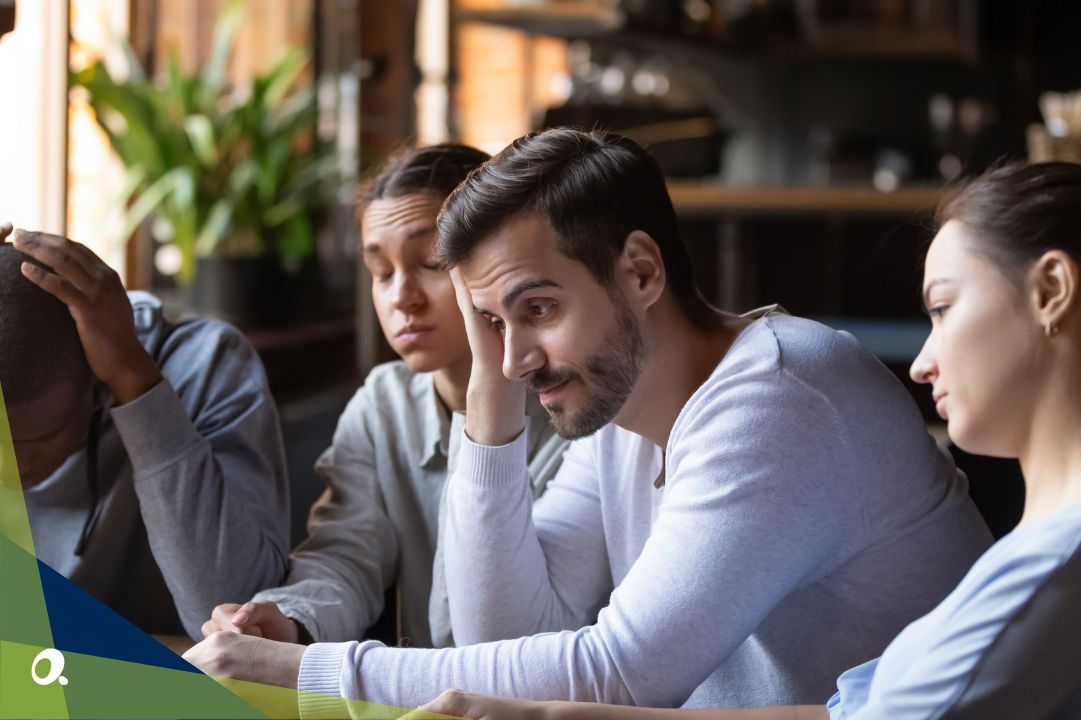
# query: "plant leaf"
151,199
201,134
217,222
213,76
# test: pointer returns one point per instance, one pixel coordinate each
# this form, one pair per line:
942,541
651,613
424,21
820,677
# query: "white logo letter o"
56,666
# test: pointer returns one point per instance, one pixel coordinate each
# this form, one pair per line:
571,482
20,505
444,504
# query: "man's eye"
384,278
938,311
497,324
540,310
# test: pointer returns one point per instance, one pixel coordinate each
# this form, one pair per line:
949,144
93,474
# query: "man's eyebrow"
525,286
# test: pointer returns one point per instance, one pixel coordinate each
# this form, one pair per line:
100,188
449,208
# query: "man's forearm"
138,377
496,574
494,416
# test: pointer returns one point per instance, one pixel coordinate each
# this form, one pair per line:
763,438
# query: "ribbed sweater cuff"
490,466
319,682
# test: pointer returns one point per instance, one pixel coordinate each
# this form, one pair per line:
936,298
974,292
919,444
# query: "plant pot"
255,291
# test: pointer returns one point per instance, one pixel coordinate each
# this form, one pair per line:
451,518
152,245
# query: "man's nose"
521,355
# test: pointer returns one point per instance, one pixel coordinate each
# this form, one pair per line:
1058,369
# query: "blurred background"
210,149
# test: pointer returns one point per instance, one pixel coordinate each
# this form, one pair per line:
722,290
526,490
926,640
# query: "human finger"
461,293
244,613
453,702
478,327
223,614
60,288
209,628
450,703
58,253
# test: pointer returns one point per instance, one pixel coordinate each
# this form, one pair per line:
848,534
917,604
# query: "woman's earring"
1050,329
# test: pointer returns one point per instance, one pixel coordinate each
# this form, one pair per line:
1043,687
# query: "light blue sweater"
807,517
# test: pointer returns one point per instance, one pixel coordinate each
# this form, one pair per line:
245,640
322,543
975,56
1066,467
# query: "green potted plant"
235,178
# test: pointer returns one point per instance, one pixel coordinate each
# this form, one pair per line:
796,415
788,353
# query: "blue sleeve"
944,675
852,690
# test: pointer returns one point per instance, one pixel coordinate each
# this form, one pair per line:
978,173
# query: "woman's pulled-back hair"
433,168
1019,211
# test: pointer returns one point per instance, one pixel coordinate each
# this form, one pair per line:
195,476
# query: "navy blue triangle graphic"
83,624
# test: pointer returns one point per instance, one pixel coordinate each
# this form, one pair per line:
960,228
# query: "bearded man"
753,503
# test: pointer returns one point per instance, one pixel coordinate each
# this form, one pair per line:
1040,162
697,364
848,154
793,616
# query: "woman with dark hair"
1003,288
377,523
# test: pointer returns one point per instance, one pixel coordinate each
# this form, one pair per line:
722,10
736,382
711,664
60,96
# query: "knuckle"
453,696
220,641
63,256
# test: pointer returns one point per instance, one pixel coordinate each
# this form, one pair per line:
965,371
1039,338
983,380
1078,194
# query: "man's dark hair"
593,187
433,168
1019,211
39,344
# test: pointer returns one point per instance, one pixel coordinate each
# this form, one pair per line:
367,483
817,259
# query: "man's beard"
609,377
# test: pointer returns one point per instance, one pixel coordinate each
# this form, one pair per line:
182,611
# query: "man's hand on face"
260,618
247,658
97,301
495,406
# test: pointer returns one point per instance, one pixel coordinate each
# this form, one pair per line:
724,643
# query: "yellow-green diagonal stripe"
23,615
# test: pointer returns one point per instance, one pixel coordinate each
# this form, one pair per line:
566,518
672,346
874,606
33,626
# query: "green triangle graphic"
105,688
14,524
97,687
22,605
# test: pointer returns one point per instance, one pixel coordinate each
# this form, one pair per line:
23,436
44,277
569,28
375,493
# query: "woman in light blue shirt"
1002,284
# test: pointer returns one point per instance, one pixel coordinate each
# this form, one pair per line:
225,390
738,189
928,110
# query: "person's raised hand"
260,618
97,301
495,406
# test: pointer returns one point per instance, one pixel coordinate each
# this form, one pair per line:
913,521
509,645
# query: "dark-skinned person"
149,452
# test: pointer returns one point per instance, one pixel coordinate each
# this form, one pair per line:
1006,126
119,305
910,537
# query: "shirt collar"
436,425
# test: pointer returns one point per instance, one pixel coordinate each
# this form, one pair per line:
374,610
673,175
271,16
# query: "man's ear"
1053,280
640,268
